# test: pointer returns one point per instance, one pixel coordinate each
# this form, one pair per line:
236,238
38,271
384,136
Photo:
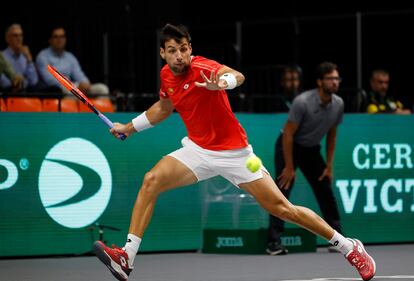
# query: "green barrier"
234,241
60,174
298,240
254,241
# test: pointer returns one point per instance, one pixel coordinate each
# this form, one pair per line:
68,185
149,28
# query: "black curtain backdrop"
274,33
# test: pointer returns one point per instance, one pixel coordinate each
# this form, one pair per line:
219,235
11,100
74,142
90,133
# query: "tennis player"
216,145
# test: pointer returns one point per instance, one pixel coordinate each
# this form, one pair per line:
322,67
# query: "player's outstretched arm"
158,112
225,78
238,75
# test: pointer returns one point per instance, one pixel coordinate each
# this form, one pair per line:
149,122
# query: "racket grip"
110,124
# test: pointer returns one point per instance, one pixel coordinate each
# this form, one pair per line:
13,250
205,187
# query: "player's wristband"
230,79
141,122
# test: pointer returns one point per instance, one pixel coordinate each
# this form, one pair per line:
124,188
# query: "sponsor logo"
123,261
382,192
75,183
291,240
229,242
12,174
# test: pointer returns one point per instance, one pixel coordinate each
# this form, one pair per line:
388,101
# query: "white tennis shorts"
205,164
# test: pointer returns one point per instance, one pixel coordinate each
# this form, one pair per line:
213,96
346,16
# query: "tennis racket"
74,90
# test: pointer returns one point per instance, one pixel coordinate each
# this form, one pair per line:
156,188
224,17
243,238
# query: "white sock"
132,246
341,243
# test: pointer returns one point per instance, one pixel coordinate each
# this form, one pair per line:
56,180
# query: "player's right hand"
118,129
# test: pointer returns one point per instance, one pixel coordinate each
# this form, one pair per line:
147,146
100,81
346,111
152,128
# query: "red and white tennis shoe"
363,262
115,258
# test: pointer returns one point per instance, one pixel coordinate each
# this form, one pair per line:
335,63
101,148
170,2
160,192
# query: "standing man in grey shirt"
313,115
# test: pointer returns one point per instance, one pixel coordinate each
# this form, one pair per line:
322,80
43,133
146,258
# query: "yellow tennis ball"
372,108
253,163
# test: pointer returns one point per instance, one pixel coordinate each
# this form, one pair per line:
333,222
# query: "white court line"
351,279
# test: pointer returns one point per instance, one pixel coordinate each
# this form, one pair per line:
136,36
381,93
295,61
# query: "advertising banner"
65,182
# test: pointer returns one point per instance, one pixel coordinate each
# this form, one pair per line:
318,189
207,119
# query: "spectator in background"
378,99
66,63
7,70
313,115
20,59
290,82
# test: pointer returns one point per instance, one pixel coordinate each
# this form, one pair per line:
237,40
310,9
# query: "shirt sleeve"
297,111
4,81
31,74
6,68
207,66
77,74
163,93
215,66
341,115
41,63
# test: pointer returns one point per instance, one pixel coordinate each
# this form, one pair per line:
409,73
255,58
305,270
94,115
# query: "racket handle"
110,124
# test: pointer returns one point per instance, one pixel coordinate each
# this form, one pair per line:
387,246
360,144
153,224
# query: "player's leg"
270,198
167,174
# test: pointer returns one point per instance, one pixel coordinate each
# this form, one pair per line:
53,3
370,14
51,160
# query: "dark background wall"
273,33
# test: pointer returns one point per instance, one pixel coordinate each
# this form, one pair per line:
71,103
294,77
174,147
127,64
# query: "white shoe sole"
115,268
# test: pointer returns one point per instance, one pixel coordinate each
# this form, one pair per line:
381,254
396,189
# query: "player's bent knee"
150,185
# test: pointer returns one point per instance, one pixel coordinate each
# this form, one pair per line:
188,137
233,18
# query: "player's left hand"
326,173
213,84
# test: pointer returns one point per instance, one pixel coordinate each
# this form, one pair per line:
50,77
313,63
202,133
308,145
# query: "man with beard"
216,144
66,62
290,84
379,100
314,114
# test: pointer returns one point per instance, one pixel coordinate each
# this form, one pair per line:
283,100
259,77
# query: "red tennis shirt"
207,115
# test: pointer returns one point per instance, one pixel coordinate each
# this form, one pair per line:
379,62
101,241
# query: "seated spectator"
6,69
66,63
290,83
378,99
20,58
